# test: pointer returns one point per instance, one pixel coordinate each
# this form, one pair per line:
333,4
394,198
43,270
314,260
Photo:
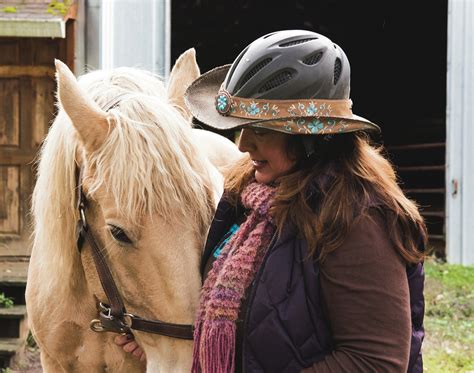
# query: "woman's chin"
263,178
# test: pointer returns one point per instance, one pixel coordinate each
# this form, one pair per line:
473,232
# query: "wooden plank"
26,140
425,190
27,52
26,113
26,189
43,109
9,51
28,71
437,237
9,157
421,168
44,51
9,112
71,44
436,214
9,200
8,346
13,272
15,312
434,145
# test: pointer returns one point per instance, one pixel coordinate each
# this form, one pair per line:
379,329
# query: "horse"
151,191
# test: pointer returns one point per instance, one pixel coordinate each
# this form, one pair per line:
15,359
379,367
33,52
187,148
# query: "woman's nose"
246,140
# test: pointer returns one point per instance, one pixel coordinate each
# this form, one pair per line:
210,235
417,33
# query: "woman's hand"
129,345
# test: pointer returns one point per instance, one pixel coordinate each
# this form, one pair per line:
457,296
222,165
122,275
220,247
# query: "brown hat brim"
200,99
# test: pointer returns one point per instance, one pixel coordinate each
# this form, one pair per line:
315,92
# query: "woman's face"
268,151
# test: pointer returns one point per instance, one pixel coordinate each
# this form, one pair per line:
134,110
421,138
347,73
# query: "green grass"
449,318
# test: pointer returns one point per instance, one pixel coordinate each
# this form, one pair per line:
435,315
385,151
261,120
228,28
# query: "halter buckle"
109,323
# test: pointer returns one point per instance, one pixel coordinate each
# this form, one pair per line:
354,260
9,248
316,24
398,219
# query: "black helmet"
290,65
292,81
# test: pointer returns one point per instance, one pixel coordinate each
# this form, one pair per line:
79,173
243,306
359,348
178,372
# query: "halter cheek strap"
113,316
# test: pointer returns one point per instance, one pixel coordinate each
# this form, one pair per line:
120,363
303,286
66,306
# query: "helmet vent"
259,66
313,59
276,81
337,70
234,65
296,42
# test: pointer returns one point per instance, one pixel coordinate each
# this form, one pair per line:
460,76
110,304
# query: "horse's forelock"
151,144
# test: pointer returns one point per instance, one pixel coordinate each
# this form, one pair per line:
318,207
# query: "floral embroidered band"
280,109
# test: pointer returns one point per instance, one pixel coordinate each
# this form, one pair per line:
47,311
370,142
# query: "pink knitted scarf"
225,285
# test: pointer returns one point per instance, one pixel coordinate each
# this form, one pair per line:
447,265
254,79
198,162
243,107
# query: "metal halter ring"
83,216
109,323
96,326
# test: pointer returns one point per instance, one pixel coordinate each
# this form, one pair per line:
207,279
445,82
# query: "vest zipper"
252,296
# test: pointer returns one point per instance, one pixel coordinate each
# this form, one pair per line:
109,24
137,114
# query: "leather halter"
113,317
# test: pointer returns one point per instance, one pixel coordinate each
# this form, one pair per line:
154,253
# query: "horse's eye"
119,235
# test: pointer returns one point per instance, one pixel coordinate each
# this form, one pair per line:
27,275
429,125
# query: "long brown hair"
344,178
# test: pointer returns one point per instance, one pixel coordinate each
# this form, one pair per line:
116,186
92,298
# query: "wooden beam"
10,157
425,190
29,71
417,146
71,44
421,168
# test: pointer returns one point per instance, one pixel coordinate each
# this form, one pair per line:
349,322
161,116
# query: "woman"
314,259
320,273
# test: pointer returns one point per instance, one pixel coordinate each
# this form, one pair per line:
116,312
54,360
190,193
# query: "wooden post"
460,133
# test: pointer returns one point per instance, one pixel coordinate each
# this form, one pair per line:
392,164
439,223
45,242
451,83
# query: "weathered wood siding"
26,110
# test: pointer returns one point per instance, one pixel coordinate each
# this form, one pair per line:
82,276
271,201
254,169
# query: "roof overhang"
40,28
36,18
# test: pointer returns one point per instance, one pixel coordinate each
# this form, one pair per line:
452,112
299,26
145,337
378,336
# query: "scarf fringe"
214,348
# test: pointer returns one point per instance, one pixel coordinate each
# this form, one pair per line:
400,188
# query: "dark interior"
397,51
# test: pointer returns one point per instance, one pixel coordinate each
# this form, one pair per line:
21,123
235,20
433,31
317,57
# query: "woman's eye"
119,235
260,131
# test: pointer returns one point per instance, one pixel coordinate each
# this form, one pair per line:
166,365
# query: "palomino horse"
151,190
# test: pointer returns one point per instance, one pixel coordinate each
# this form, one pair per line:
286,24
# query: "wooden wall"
27,89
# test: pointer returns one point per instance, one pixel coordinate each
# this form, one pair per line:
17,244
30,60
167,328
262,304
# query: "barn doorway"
398,58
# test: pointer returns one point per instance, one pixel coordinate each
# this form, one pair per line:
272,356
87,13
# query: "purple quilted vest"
285,329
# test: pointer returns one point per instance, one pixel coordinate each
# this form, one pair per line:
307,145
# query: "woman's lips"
257,164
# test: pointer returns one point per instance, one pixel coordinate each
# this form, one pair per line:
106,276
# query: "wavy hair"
343,179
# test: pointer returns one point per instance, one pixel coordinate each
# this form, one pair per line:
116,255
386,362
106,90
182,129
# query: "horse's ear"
184,72
90,121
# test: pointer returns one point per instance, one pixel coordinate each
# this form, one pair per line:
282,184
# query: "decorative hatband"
239,107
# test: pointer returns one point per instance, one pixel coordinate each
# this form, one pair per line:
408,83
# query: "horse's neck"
220,151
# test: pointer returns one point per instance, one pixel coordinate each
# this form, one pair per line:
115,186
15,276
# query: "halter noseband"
113,317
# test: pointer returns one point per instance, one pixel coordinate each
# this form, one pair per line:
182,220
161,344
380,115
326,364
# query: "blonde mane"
148,164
